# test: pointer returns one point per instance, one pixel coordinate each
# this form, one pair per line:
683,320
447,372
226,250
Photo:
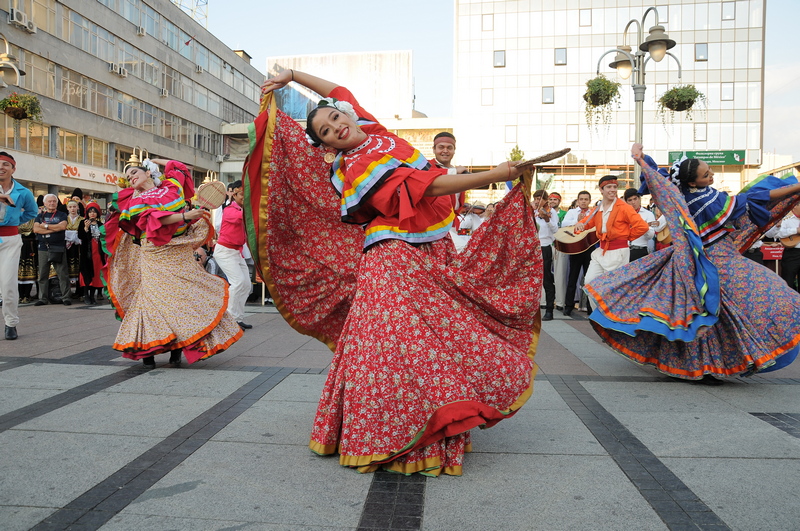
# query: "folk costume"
427,344
92,257
11,245
165,299
73,254
698,307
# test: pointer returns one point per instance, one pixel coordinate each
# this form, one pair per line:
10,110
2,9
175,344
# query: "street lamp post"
633,65
8,63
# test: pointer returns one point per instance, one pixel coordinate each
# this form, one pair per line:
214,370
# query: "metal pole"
639,89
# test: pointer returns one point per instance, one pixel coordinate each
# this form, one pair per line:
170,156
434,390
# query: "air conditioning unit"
123,72
113,67
164,93
32,29
140,31
18,18
220,158
198,69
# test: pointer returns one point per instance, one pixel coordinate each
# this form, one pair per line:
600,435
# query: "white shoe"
268,300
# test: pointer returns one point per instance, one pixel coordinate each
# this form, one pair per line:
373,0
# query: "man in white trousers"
228,254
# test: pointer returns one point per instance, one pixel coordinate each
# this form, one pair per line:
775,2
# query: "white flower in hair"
344,106
155,172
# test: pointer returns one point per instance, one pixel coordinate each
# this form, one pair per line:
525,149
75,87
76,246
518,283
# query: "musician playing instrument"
617,224
790,263
547,225
641,246
577,262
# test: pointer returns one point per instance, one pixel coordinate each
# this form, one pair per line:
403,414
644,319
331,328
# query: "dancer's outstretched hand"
279,81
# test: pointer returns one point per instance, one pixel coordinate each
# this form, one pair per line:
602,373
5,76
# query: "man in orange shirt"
617,223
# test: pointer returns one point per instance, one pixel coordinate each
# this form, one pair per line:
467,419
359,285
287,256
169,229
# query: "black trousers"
638,253
790,267
577,262
549,279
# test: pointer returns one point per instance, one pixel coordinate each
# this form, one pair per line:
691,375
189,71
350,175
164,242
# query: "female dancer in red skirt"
431,344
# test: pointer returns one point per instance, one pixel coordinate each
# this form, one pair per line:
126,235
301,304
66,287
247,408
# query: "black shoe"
40,302
149,362
568,311
548,315
175,358
66,302
708,380
11,332
87,300
244,326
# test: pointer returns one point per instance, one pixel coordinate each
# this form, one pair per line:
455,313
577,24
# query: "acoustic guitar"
663,236
791,241
567,242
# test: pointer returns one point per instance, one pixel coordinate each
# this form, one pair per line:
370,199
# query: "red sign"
772,253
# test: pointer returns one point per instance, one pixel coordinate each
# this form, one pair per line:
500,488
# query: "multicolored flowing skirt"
166,300
690,310
427,345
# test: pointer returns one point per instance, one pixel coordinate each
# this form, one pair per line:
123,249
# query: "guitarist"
790,264
577,262
617,225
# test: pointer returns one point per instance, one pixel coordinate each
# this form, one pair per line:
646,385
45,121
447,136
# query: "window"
700,132
70,146
585,17
487,96
701,52
511,134
96,152
487,23
499,58
728,10
726,92
561,56
548,95
573,133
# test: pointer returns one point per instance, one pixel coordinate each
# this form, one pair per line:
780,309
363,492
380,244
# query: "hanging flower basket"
22,106
600,97
679,99
17,113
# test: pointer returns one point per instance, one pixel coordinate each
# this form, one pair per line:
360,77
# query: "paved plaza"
89,440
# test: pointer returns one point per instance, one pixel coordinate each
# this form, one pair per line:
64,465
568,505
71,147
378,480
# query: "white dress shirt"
547,229
647,237
789,227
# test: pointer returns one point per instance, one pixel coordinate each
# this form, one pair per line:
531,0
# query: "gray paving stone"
746,493
22,518
123,414
659,397
52,376
734,434
49,469
272,422
185,382
298,388
534,431
17,400
273,484
537,492
135,522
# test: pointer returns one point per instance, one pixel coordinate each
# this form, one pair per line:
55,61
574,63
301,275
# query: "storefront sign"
75,171
712,158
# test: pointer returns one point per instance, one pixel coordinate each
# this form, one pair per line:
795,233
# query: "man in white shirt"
578,263
640,246
547,225
790,264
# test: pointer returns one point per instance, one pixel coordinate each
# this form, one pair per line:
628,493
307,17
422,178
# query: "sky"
298,27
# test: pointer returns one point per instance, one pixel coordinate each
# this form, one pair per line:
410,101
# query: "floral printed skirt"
758,327
167,300
432,347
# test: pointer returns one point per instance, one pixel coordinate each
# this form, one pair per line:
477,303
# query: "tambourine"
544,158
210,195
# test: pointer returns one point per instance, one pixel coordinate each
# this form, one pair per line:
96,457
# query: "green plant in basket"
679,99
601,95
22,106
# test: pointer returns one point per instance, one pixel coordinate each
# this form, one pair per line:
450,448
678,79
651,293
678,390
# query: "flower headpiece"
675,171
152,167
342,106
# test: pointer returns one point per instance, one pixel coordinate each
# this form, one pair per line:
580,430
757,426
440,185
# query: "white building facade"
521,68
112,75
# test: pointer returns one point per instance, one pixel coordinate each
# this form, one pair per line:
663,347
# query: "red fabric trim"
610,245
9,230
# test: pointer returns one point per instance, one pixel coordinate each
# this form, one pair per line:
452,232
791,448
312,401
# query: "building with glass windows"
521,68
112,75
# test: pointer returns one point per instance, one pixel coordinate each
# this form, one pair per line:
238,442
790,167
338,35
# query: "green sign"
712,158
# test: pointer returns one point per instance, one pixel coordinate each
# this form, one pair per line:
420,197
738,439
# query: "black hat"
40,200
77,192
630,192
